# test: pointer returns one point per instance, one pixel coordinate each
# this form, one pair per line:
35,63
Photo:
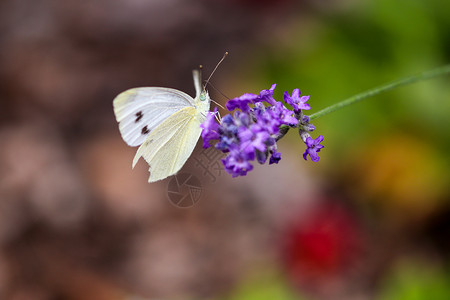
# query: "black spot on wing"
145,130
139,116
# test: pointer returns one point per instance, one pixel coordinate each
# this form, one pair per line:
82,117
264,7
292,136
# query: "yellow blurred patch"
404,175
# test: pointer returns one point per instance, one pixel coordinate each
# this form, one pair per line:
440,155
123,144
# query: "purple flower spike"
298,103
267,95
241,102
250,133
312,147
210,129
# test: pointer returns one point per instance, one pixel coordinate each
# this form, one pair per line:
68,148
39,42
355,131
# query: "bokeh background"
371,220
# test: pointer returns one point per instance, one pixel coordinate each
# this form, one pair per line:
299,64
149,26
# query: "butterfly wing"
170,144
140,110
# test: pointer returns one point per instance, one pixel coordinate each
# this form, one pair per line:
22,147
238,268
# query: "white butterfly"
164,122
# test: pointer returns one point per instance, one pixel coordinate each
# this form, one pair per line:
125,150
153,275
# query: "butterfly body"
164,122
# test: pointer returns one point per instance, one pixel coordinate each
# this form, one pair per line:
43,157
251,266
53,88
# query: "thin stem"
384,88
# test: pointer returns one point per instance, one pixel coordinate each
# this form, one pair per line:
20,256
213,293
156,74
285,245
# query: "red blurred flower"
323,245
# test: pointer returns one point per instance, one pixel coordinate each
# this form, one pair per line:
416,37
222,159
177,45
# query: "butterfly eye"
202,97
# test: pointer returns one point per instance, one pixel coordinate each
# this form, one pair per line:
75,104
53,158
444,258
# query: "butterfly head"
202,102
204,96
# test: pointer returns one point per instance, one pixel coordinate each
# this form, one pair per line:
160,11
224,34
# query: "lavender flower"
265,119
210,128
228,134
241,102
297,102
275,158
284,115
261,157
253,138
237,164
304,123
251,132
267,95
312,147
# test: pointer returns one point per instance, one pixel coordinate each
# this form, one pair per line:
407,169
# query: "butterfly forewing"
140,110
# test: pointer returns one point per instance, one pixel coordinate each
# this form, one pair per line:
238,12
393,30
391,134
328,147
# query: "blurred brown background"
370,221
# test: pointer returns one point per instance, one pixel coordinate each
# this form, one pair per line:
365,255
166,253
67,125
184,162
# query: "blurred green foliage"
413,280
266,285
335,54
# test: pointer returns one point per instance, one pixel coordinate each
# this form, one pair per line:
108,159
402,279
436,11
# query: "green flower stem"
384,88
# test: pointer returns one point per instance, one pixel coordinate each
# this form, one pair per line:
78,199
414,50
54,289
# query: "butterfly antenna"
207,81
217,103
217,90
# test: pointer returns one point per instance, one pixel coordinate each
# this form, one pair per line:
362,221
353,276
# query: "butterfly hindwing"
169,145
140,110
